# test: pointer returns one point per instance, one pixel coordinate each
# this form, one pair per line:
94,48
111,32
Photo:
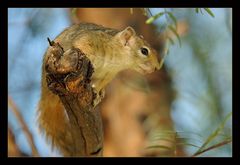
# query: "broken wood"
69,76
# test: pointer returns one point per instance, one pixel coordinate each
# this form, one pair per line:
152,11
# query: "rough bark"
69,76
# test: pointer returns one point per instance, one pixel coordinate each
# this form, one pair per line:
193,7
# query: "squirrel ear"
126,34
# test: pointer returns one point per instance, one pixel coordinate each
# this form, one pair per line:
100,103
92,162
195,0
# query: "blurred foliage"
206,9
171,23
180,139
215,134
219,137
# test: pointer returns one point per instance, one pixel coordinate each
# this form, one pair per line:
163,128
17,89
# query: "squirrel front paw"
98,96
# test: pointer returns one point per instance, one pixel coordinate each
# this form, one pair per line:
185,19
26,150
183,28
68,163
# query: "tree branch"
24,126
69,76
212,147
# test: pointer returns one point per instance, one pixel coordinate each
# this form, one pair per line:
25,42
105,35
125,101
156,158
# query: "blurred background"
182,110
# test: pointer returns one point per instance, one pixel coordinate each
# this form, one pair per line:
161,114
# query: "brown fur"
110,52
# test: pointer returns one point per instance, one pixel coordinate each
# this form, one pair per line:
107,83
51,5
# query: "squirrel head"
140,55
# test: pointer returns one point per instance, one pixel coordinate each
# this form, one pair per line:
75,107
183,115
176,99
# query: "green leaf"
215,133
164,139
74,11
175,32
153,18
160,146
173,18
209,12
197,10
144,11
171,40
167,53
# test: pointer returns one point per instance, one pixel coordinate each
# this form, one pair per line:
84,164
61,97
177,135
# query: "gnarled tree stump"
69,76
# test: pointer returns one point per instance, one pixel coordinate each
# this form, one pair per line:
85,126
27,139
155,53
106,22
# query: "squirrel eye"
144,51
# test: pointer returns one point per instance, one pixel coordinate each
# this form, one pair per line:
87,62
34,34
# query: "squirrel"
110,51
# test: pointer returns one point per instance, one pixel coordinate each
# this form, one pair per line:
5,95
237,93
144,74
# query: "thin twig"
26,131
149,11
212,147
13,149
